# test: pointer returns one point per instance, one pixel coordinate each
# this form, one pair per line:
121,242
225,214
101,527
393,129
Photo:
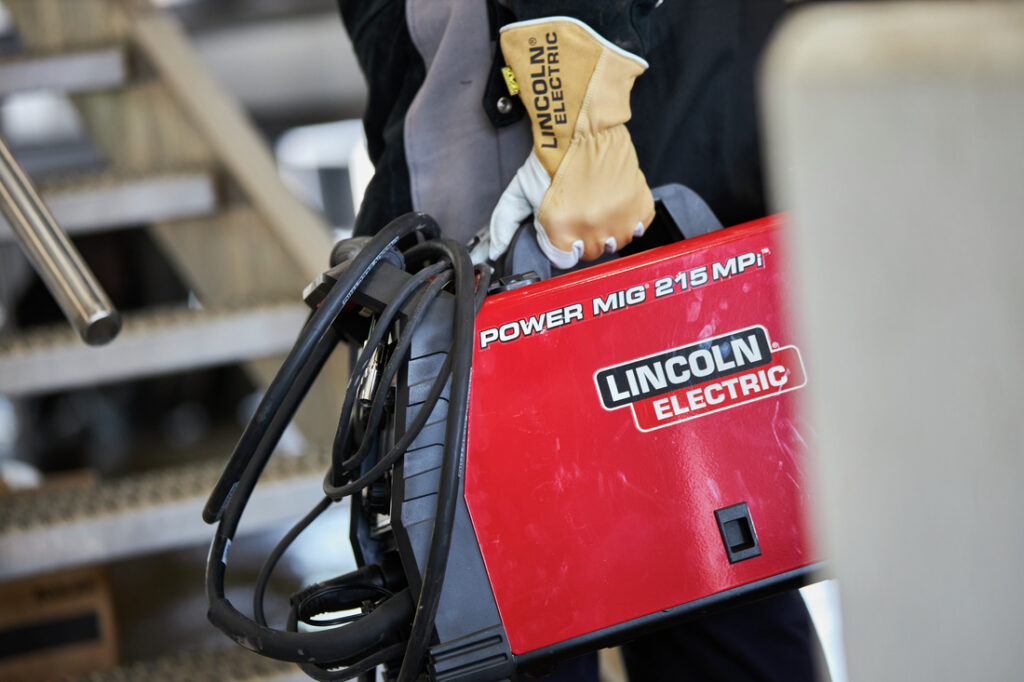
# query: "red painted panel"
594,510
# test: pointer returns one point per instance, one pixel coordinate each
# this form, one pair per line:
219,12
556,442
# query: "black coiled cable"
319,651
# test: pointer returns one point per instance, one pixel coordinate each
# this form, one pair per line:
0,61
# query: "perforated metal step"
150,343
228,665
79,71
43,532
99,202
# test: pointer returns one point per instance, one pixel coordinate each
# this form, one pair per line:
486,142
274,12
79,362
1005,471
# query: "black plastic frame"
541,659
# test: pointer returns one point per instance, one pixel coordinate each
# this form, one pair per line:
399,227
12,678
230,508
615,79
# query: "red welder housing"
635,442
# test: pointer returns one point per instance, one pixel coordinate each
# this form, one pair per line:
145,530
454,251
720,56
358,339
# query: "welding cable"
401,349
354,670
453,452
322,648
467,303
284,406
364,583
426,250
380,328
338,492
377,334
338,296
286,409
236,483
423,253
344,671
336,671
330,598
276,428
483,283
376,630
415,318
362,667
279,550
259,592
331,671
425,410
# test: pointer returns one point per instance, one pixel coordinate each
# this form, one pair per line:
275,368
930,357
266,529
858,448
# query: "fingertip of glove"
563,260
577,251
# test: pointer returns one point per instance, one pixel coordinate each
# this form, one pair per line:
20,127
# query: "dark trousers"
771,640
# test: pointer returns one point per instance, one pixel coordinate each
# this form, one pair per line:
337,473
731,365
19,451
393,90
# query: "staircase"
181,161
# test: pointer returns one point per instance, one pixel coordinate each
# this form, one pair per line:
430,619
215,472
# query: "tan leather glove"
582,180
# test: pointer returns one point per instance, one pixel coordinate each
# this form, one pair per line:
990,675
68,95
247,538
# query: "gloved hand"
582,180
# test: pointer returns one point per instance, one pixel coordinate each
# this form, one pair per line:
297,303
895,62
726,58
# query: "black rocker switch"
738,533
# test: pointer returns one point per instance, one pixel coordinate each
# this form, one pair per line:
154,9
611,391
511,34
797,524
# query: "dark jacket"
694,118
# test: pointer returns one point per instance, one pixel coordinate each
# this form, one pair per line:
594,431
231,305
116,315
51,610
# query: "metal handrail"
54,257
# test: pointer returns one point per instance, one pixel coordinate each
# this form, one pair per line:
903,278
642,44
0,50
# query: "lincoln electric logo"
546,84
704,377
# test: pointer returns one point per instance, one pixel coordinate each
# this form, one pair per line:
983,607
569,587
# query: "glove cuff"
604,42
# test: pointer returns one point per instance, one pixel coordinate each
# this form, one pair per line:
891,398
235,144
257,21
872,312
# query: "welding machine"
539,463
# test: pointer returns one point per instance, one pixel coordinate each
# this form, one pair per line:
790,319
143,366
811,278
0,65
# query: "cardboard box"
56,625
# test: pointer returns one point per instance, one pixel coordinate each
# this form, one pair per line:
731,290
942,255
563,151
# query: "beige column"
896,139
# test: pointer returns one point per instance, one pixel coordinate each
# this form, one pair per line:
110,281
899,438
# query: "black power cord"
384,384
442,264
260,591
376,337
454,451
359,268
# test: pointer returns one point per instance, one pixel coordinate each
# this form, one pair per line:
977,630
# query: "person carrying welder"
448,136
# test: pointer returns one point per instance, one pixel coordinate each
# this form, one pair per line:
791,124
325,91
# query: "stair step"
101,202
136,515
151,342
79,71
233,664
